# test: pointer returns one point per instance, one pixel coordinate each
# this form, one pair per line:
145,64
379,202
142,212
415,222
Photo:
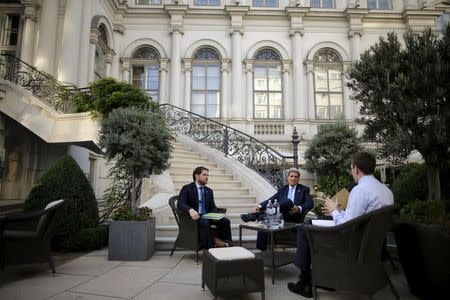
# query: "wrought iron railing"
254,154
42,85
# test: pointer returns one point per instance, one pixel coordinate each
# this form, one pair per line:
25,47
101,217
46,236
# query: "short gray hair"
292,170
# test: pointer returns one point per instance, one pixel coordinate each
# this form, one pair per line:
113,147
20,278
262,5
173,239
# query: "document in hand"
213,216
325,223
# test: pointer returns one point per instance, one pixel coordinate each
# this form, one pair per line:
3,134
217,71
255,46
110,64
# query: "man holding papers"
198,200
370,194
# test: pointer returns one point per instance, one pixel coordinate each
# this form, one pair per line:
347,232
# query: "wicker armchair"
347,257
25,237
187,229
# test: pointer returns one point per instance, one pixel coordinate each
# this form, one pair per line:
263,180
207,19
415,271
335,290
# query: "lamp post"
295,142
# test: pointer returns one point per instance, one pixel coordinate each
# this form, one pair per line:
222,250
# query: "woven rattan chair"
347,257
232,276
25,237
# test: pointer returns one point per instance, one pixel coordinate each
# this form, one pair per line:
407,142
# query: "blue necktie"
291,193
202,200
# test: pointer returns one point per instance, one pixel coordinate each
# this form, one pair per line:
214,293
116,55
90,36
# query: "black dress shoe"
304,290
250,217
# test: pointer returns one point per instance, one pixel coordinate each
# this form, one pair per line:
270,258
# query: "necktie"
291,193
202,200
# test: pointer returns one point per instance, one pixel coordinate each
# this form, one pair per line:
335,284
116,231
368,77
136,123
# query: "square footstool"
232,271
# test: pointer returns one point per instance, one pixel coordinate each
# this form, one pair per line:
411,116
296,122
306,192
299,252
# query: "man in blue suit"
294,200
197,199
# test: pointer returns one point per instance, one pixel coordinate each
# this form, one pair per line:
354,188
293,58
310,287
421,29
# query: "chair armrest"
18,217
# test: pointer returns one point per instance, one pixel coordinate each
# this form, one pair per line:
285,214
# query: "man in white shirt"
369,194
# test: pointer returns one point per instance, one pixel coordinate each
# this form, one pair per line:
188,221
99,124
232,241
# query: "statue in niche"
13,166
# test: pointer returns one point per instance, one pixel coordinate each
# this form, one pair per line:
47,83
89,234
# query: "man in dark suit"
197,199
294,200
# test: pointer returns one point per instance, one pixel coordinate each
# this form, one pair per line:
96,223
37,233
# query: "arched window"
101,50
328,84
145,71
206,83
267,85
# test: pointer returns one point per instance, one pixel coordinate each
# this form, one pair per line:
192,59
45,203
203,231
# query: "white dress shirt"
370,194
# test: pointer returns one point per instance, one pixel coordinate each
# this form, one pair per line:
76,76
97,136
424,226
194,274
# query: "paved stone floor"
92,276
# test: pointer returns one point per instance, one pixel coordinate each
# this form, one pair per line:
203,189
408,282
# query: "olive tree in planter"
138,143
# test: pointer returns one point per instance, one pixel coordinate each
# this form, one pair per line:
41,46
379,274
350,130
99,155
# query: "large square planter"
131,240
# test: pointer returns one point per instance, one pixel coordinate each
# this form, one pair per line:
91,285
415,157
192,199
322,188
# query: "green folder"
213,216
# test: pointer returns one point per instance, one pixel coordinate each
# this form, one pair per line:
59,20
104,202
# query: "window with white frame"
10,32
267,85
207,2
101,50
265,3
145,71
379,4
206,83
323,4
328,85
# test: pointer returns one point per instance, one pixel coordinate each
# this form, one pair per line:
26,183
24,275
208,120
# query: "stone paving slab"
88,265
79,296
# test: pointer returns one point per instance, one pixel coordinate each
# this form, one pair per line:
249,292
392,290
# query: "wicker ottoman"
232,271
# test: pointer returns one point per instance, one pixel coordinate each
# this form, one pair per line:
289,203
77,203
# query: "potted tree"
138,143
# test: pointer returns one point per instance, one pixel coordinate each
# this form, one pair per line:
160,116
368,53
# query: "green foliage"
139,144
327,184
410,184
405,98
108,94
88,239
427,212
317,210
124,213
65,180
330,151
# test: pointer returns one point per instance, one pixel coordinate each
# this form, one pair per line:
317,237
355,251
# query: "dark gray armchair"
347,257
25,237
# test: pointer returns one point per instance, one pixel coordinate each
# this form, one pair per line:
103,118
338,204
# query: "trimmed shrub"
65,180
327,184
410,184
426,212
88,239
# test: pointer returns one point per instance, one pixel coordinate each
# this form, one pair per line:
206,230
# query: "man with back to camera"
294,200
197,199
368,195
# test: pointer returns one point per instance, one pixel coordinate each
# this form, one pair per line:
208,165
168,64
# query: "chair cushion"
231,253
53,203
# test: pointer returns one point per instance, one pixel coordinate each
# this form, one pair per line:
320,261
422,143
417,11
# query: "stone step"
214,184
186,178
182,170
190,165
186,156
225,192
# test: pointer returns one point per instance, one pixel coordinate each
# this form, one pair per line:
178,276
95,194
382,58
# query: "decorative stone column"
310,90
108,61
349,105
45,53
70,49
118,31
299,103
30,16
176,13
287,104
163,80
187,83
249,88
83,68
224,99
92,45
126,64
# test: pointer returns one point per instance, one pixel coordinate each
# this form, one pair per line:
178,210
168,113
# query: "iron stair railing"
254,154
41,85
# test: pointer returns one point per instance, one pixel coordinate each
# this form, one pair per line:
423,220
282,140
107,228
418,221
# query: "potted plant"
422,235
138,143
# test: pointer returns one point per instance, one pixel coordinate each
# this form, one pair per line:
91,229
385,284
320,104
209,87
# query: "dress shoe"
250,217
303,289
319,286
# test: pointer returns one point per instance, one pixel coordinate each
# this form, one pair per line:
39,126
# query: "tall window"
265,3
10,35
206,82
328,84
323,3
207,2
101,50
145,71
267,85
379,4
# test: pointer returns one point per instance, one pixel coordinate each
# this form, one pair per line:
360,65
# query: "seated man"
294,200
197,199
369,194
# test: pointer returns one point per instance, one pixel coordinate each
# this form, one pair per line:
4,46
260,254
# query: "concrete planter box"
131,240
